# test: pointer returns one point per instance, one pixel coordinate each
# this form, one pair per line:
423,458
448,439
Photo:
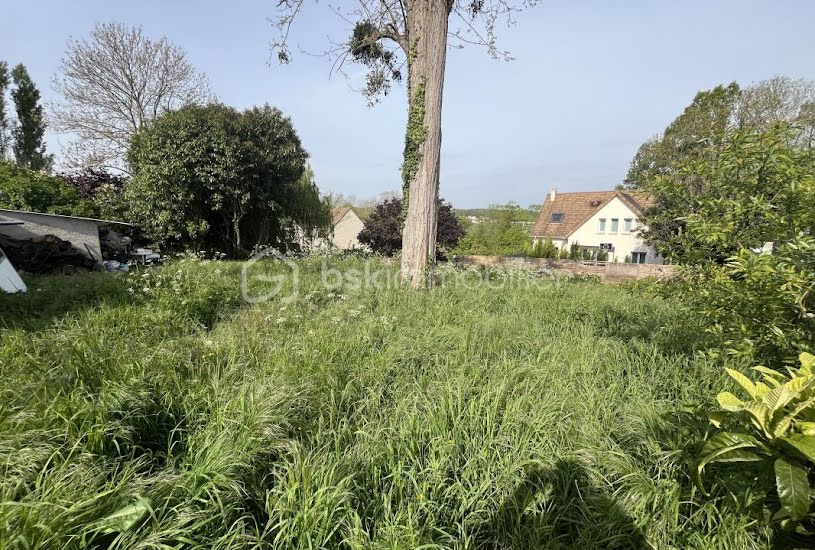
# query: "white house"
346,226
596,220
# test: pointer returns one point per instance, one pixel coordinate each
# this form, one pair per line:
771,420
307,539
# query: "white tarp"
10,281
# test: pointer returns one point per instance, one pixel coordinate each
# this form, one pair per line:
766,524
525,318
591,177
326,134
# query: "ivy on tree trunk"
427,24
420,30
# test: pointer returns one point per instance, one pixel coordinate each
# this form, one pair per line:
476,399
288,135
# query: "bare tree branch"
386,20
115,82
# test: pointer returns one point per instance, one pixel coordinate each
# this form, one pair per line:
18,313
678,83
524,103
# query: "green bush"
541,249
758,189
214,178
574,251
23,189
773,431
757,306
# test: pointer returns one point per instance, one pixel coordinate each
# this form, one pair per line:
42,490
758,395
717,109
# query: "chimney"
552,194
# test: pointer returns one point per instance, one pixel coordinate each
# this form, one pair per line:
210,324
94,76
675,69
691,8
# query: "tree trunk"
427,36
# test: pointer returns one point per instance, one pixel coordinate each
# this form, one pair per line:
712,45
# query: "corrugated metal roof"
10,213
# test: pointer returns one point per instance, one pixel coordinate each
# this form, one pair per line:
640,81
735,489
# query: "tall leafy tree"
663,166
29,131
4,82
213,177
691,134
388,37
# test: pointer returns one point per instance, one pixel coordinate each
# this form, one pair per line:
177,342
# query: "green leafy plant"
774,427
501,233
541,249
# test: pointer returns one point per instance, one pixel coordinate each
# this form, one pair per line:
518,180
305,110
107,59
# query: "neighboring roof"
11,213
338,214
578,207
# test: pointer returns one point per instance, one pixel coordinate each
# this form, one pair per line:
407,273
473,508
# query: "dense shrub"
541,249
103,189
23,189
757,298
215,178
383,228
505,233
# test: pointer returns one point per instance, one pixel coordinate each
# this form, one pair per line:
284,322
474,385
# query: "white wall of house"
346,232
623,238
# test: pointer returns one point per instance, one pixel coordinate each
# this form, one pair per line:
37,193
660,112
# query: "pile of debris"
46,254
114,245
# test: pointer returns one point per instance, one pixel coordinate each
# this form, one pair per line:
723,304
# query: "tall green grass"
173,415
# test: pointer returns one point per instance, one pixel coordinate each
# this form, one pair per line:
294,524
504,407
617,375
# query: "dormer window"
556,217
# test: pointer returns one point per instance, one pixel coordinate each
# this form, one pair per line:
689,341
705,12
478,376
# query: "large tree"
112,84
691,134
216,178
387,36
4,82
663,166
758,298
29,131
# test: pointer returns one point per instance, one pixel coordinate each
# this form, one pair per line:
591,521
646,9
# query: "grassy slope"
361,419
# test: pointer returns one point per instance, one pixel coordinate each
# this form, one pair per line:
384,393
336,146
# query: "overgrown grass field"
159,410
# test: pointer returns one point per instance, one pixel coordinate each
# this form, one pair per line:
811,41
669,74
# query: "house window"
556,217
601,226
615,225
628,224
638,257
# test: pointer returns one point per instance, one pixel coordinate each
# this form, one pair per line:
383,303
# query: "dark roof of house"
338,214
577,208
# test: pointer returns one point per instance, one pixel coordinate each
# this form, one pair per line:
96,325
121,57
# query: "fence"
608,271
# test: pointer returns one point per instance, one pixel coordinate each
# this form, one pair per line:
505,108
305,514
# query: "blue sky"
591,80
